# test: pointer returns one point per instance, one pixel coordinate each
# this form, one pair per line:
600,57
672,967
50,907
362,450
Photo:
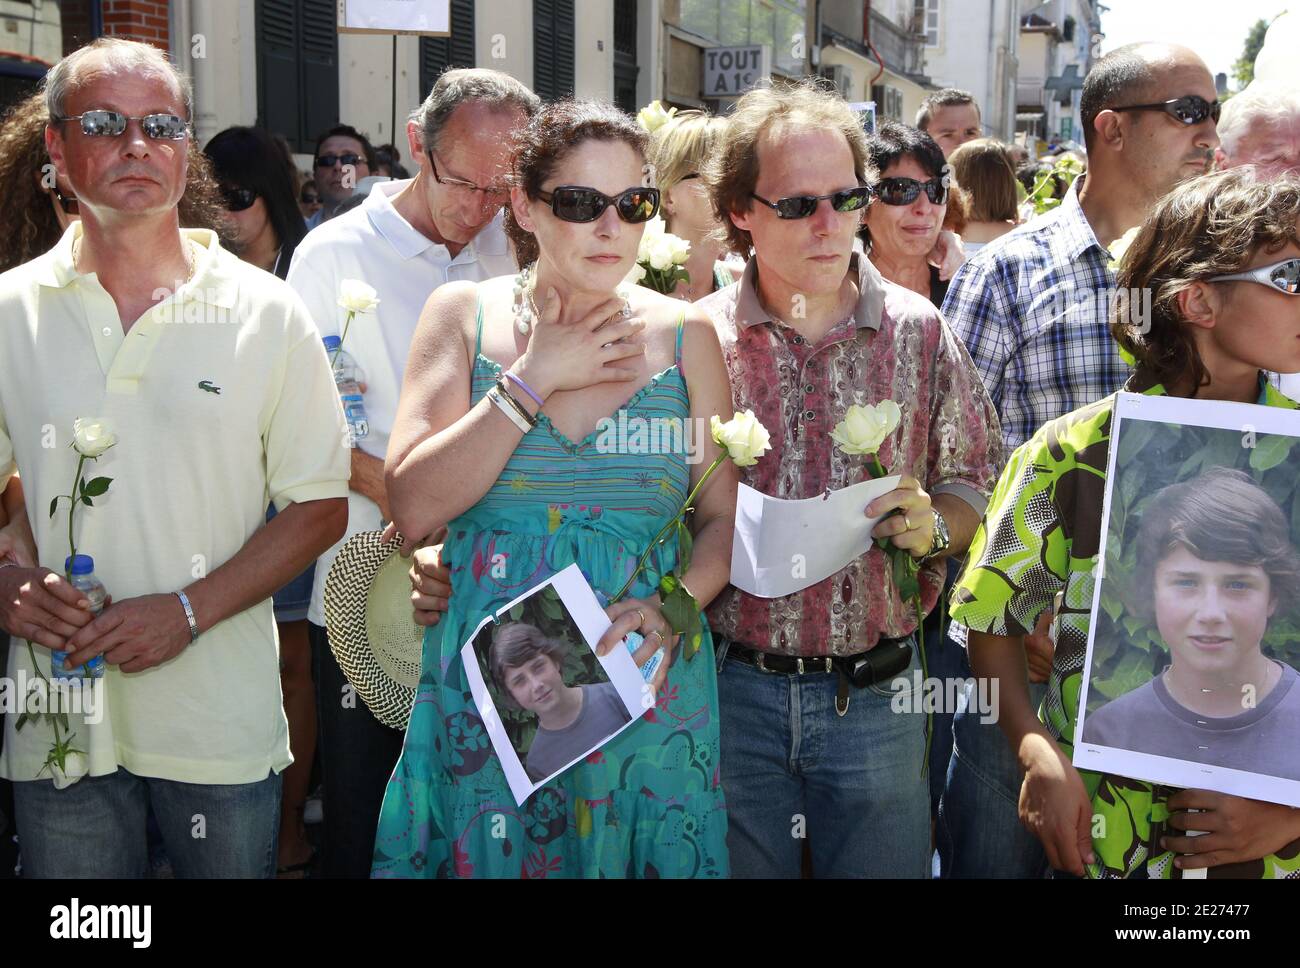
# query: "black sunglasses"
102,123
904,191
574,203
68,203
310,198
1190,109
329,161
238,199
802,206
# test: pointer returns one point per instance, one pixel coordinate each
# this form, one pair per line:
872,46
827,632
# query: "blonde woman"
678,149
988,181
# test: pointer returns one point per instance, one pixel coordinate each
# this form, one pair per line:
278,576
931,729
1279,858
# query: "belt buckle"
798,664
761,666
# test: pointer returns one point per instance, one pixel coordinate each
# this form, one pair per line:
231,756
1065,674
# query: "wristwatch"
940,540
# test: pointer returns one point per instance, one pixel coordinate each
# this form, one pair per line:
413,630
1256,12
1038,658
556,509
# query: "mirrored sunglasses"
110,124
1283,276
575,203
1189,109
802,206
904,191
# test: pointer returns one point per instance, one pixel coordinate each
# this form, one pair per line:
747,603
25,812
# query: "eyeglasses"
465,188
904,191
574,203
801,206
238,199
329,161
69,203
1283,276
1190,109
100,123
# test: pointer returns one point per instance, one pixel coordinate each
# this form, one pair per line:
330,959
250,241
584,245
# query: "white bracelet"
189,615
495,396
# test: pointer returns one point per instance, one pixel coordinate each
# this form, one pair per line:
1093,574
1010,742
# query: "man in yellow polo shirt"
215,382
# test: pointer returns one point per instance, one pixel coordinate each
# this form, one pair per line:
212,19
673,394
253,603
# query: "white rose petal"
91,436
654,116
75,766
864,429
661,254
357,297
744,437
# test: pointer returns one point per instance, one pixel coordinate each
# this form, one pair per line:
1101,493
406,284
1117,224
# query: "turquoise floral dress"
649,802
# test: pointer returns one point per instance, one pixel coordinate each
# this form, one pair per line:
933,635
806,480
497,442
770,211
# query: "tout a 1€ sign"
731,71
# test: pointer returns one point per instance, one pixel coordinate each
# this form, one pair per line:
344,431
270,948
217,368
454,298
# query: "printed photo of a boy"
527,670
1215,566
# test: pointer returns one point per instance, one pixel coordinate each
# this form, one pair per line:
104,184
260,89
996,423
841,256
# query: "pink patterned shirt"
895,346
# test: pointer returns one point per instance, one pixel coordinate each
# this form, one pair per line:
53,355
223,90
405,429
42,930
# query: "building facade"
1058,42
975,45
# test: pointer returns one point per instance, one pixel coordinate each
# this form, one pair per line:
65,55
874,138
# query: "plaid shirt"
894,346
1032,308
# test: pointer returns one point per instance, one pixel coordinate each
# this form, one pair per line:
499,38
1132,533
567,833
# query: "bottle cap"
79,565
332,342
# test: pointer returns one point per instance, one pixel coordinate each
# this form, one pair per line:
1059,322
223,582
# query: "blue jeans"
979,833
792,767
96,827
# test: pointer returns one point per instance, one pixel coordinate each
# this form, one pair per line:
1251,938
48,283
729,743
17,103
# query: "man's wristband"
189,615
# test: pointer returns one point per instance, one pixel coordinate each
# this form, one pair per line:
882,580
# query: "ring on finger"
907,523
640,615
659,633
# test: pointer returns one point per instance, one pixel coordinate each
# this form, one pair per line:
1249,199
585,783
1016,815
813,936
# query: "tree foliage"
1244,69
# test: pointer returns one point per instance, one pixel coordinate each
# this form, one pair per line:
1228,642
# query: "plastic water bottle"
348,379
81,573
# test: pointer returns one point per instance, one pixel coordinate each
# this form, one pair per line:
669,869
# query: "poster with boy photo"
546,698
1190,675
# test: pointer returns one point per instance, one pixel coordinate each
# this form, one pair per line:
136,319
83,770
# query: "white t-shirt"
221,399
375,244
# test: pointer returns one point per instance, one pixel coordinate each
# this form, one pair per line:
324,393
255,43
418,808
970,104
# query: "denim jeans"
792,767
357,756
979,833
96,827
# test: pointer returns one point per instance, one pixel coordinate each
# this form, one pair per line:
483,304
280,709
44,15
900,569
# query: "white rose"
357,297
1120,246
680,248
654,116
864,429
92,436
744,437
661,253
75,766
635,275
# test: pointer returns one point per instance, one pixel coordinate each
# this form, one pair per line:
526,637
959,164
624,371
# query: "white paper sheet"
781,547
432,16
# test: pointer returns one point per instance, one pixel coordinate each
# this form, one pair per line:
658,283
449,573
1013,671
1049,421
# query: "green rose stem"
72,510
910,564
58,755
346,323
640,565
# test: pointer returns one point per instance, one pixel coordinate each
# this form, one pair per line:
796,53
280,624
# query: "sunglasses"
238,199
68,203
1283,276
574,203
1190,109
159,127
329,161
801,206
309,199
904,191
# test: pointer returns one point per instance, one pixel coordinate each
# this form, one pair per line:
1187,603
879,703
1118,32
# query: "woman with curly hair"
39,206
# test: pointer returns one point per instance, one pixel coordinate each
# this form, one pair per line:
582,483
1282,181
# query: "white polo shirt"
221,398
377,245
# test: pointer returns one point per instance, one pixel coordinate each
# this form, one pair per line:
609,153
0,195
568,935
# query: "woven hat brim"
349,593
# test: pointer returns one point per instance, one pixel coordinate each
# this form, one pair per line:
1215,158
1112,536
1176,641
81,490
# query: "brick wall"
144,20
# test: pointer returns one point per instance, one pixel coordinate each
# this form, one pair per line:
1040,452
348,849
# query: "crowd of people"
829,267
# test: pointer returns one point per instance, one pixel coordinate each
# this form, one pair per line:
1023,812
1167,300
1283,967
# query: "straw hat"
372,632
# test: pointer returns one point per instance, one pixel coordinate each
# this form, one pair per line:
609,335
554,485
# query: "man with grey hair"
207,421
1261,127
408,238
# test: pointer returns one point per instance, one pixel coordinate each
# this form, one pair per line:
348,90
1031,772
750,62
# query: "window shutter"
297,69
439,53
319,108
553,27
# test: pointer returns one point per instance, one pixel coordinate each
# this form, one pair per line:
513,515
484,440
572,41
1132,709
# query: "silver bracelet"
495,396
189,615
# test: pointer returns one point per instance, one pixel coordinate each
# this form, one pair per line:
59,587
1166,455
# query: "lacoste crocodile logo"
208,385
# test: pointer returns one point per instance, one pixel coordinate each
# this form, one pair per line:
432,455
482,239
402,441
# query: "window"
927,21
736,23
297,69
553,48
437,54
